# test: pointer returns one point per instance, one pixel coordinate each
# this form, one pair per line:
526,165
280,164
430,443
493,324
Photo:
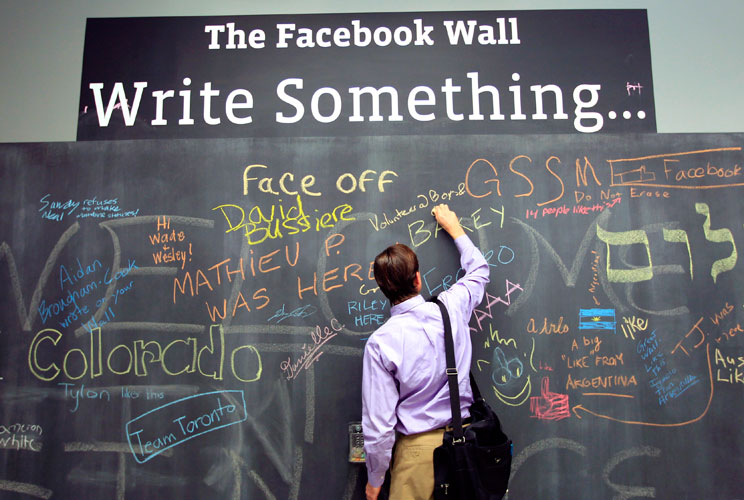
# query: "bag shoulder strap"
454,389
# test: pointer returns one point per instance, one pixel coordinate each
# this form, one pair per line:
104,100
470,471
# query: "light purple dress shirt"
404,383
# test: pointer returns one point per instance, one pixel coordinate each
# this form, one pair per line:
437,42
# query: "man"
404,384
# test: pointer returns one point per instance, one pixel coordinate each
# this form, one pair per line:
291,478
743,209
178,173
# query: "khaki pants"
412,474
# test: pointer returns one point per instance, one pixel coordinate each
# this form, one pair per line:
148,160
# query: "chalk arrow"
576,409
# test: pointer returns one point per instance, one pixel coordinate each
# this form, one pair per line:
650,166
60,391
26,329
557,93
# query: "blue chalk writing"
300,312
90,207
665,382
179,421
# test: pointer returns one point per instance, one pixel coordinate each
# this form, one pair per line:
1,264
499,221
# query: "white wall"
697,49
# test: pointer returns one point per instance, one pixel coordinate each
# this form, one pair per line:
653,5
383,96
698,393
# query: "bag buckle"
451,371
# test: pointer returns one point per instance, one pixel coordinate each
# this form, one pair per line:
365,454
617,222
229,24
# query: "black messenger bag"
473,462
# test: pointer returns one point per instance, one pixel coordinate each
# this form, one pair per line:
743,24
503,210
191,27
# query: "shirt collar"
406,305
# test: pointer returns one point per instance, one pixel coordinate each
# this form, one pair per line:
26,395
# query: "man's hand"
448,220
372,492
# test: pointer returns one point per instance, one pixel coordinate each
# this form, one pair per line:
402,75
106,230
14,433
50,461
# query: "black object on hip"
473,463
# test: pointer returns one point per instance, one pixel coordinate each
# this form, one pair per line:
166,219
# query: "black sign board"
575,71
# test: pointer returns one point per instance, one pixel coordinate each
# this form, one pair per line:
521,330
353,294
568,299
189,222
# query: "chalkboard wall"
186,318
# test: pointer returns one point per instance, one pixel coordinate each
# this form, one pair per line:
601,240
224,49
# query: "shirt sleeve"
379,400
469,289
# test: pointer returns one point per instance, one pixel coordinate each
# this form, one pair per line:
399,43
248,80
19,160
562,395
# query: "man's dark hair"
395,272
